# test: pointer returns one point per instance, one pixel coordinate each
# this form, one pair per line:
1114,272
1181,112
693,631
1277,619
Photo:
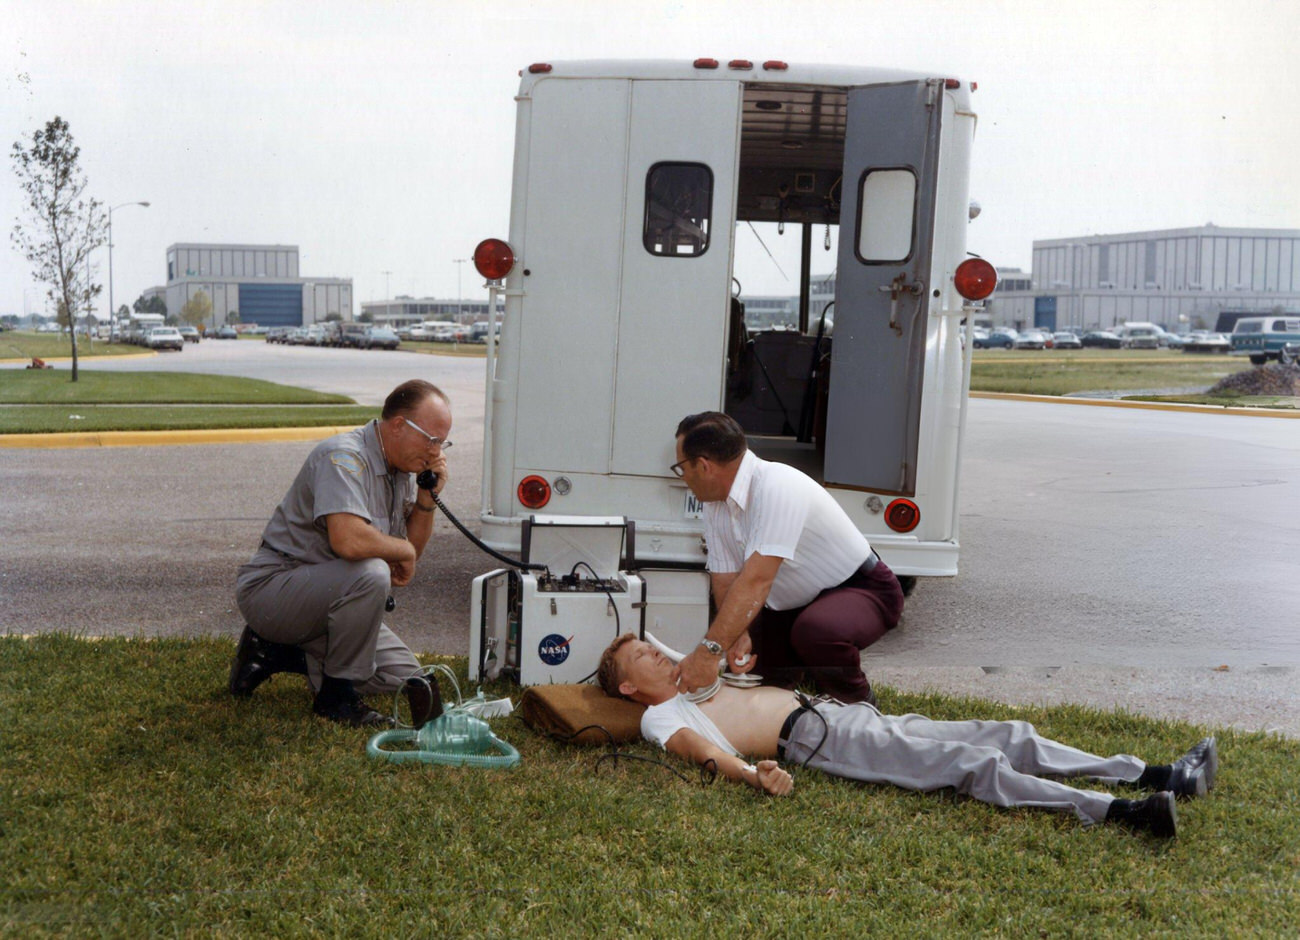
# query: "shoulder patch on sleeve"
346,460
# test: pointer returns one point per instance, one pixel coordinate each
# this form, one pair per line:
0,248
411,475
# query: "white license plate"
694,508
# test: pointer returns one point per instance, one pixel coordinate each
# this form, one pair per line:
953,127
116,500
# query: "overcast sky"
378,136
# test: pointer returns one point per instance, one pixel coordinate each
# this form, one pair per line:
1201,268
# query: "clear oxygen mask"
456,738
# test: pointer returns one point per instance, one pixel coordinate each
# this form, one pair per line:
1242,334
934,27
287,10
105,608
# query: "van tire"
1285,357
1258,360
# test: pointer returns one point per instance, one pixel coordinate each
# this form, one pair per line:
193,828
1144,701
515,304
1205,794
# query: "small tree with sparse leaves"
60,224
197,309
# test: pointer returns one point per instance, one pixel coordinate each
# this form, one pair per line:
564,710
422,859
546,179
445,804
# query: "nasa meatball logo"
554,649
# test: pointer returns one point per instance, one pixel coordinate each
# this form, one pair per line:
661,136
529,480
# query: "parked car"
1031,339
188,333
1101,339
1065,340
314,336
227,332
1141,337
381,337
165,337
1002,337
1207,343
1262,338
1289,354
1175,341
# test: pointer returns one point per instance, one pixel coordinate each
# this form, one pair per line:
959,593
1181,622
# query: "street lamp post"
112,311
458,262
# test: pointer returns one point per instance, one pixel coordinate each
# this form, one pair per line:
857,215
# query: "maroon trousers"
825,639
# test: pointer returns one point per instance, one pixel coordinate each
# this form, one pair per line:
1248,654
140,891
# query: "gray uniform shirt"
345,473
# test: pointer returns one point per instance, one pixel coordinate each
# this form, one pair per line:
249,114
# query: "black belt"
864,570
786,728
269,546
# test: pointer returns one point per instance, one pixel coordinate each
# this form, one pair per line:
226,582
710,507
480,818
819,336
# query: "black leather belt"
869,565
786,728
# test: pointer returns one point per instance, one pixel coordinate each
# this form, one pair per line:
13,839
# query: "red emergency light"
706,63
533,492
494,258
775,65
740,64
539,68
975,278
902,515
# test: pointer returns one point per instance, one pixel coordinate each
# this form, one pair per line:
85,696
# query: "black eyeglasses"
677,467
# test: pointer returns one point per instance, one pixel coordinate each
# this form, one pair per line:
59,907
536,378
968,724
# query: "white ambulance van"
631,180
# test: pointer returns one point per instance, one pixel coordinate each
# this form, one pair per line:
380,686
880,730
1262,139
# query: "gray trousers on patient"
333,611
995,762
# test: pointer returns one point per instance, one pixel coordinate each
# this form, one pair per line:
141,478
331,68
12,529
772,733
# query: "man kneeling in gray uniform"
996,762
351,527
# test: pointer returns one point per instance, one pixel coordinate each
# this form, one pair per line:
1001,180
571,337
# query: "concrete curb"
167,438
1142,405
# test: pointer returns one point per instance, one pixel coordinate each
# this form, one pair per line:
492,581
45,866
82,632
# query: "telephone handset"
428,480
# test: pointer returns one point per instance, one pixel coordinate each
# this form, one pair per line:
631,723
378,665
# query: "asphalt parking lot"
1141,559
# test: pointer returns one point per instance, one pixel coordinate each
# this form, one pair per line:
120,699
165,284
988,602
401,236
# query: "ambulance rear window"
678,209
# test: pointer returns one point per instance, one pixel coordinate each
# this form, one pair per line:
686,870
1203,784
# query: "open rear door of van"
891,159
683,145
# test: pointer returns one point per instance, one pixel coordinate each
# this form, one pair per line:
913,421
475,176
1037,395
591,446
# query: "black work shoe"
424,697
256,660
1156,814
1193,773
353,712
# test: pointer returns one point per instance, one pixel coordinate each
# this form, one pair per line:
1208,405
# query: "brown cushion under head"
561,710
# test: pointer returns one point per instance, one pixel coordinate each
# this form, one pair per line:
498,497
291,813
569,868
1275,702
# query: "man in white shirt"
794,581
997,762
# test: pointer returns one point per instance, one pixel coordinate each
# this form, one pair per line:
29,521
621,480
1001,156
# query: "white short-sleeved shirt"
660,722
345,473
775,510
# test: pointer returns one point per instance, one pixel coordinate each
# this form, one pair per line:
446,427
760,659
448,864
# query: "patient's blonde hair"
607,673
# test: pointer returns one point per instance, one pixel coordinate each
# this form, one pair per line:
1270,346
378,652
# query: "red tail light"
534,492
975,278
903,515
494,258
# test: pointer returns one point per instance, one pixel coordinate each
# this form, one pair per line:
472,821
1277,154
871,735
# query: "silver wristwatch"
713,646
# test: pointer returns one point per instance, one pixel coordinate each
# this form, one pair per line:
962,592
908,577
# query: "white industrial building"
404,310
261,283
1182,279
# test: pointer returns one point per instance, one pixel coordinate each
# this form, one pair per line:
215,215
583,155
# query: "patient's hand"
773,778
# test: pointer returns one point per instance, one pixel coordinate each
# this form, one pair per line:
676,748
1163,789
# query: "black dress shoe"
1193,773
1156,814
353,712
256,660
424,697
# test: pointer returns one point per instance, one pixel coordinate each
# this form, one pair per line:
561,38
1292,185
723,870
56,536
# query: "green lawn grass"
23,344
46,386
139,798
162,401
1056,372
47,419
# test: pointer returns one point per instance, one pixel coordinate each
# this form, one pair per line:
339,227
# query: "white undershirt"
660,722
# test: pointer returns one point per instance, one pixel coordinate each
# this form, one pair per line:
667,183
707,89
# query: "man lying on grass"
996,762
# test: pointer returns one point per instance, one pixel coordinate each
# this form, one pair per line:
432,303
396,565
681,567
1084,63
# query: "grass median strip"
44,402
22,344
140,798
1059,373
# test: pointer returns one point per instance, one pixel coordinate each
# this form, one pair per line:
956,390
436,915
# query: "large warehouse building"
1181,279
260,283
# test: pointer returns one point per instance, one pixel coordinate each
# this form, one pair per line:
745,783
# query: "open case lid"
561,542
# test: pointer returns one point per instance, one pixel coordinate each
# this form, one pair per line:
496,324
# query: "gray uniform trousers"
333,611
993,761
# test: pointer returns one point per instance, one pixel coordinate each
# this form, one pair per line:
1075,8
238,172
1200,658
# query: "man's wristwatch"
713,646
